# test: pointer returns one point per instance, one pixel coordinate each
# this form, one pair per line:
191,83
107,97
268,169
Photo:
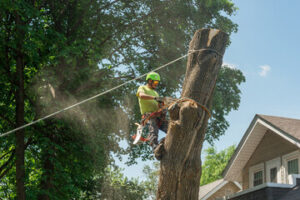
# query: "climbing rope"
174,101
105,92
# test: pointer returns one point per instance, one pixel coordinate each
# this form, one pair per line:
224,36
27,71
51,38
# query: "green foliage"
226,97
151,182
214,164
118,187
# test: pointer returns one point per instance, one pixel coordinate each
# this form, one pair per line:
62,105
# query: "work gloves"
159,99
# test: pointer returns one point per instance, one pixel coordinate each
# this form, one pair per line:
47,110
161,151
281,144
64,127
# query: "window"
258,178
273,169
293,167
256,175
273,175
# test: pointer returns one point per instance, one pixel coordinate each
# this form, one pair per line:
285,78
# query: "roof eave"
240,145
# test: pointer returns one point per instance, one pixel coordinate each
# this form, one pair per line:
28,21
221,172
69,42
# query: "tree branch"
127,40
6,170
107,5
6,154
124,27
7,163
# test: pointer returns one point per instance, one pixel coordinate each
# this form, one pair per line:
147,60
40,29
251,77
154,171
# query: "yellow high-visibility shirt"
147,105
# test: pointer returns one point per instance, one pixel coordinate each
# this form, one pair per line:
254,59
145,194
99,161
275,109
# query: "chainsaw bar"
139,132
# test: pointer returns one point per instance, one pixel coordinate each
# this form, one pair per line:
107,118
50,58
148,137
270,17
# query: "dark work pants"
153,130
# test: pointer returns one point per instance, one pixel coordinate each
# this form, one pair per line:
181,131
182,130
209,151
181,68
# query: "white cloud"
230,65
264,70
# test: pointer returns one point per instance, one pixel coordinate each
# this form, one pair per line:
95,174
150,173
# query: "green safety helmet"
153,76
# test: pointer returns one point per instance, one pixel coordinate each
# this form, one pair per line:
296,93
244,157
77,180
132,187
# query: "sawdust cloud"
91,117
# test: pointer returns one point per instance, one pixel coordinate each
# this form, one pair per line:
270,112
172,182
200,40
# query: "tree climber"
150,102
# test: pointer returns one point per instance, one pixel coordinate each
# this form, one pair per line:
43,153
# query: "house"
218,189
266,162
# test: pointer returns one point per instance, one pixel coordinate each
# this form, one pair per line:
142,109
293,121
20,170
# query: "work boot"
159,150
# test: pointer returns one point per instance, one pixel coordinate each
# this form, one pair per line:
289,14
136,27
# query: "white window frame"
254,169
274,163
291,156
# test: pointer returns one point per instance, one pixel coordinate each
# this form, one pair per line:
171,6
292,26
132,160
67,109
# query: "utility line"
103,93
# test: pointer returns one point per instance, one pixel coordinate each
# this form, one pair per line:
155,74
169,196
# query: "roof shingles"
205,189
288,125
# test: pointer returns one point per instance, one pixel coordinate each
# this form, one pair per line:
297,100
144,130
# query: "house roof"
287,128
209,189
205,189
288,125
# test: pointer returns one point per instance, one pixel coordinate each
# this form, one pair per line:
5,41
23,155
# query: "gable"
218,188
252,138
271,146
228,189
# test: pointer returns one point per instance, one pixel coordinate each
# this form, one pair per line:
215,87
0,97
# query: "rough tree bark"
180,168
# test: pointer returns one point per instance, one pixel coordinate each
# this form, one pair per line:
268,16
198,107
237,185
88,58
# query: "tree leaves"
225,99
214,164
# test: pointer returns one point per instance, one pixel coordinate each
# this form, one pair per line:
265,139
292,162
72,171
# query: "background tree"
226,97
214,163
151,182
118,187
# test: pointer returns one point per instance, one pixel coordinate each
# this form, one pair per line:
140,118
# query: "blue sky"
266,49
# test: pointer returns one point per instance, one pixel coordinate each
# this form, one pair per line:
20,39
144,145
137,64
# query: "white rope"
100,94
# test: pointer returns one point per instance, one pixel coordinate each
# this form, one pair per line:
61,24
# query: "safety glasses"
155,82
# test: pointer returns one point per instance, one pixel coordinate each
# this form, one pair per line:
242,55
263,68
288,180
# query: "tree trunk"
20,163
180,168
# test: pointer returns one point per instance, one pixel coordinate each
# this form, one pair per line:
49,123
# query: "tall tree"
16,46
181,164
20,93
